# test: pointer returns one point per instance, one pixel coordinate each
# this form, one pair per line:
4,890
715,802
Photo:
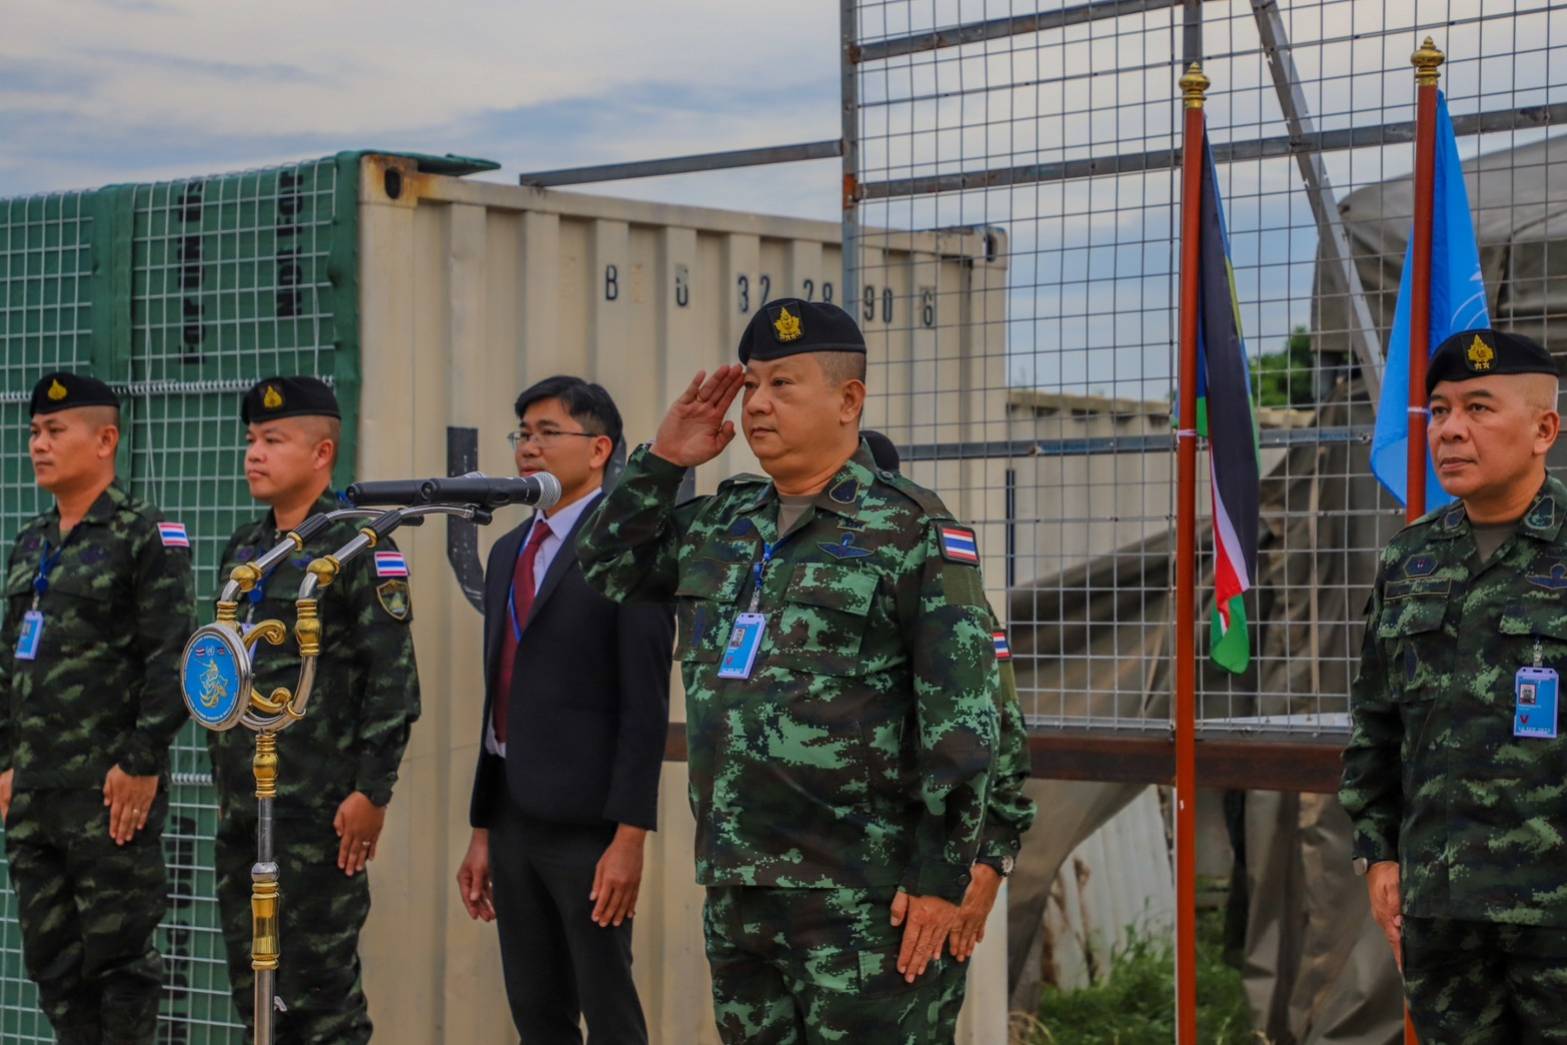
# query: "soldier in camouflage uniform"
99,603
841,685
1454,773
337,766
1008,812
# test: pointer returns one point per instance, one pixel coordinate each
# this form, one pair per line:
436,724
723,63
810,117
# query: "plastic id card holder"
1534,703
744,641
31,634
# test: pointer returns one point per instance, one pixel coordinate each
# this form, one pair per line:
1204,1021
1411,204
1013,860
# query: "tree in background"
1285,378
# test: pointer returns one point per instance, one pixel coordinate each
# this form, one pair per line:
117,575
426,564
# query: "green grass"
1135,1004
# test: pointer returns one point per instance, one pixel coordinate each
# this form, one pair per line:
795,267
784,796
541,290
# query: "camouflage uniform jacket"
858,753
104,688
366,694
1433,776
1010,812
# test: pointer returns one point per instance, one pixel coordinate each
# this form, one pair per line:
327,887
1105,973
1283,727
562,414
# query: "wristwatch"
1361,865
1002,865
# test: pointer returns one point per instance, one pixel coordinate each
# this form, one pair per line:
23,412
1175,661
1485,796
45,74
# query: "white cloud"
362,68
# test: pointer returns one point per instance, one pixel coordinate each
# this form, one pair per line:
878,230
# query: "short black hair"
588,404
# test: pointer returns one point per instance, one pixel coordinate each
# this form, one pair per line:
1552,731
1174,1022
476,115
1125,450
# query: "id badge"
31,634
1534,703
744,641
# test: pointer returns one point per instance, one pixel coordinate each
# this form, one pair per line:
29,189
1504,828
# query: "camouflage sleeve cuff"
1373,849
140,757
937,878
375,784
662,471
1000,844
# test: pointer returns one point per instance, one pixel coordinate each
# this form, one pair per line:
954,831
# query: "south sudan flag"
1224,417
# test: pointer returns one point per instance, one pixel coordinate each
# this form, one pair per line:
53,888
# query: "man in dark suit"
575,711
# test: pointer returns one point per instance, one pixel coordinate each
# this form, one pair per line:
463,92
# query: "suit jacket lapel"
565,558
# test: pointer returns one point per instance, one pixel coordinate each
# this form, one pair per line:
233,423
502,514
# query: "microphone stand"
216,676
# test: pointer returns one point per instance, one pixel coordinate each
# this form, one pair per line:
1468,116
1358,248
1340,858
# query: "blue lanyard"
46,564
759,574
259,592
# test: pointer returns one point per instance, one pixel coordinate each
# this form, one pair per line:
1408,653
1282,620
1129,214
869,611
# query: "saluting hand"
694,431
358,823
129,799
926,921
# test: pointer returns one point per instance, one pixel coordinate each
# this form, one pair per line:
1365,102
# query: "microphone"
391,492
541,490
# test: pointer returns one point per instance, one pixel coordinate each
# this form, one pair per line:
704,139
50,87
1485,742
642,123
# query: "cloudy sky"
98,91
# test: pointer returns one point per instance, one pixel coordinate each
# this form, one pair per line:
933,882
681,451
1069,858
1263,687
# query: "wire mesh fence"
1056,128
181,295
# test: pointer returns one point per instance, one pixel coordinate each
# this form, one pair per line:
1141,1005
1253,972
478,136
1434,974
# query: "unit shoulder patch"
395,599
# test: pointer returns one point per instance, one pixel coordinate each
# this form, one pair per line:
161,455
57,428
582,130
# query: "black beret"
1469,354
276,397
790,326
882,449
63,390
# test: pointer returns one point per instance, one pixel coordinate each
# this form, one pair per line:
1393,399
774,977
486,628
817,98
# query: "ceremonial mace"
217,668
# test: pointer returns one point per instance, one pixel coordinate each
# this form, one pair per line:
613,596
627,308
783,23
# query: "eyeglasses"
546,437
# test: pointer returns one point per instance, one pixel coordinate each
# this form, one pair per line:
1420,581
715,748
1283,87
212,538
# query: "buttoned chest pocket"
82,609
705,606
1525,622
1417,646
822,622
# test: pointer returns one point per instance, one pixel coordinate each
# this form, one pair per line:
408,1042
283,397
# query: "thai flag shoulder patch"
390,564
1003,650
958,544
173,535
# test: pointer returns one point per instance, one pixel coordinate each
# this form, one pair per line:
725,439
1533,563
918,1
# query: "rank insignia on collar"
1420,566
1542,514
845,548
845,492
393,597
1555,579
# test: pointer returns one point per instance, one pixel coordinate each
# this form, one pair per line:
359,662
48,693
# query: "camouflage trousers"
89,910
323,910
808,966
1482,983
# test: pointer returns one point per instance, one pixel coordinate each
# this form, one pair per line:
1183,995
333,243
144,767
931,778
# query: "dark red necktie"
519,604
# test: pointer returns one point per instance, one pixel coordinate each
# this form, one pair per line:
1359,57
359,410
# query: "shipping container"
430,300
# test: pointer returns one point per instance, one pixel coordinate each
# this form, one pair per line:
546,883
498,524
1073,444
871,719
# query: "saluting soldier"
337,766
841,683
99,601
1009,812
1454,773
